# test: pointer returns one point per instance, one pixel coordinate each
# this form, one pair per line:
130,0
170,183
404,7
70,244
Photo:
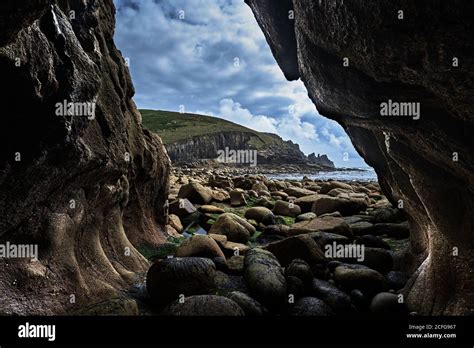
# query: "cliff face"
355,55
86,190
208,146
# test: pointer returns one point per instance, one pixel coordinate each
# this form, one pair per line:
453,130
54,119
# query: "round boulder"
234,227
204,305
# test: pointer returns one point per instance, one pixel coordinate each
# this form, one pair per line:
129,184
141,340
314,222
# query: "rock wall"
207,147
355,55
86,190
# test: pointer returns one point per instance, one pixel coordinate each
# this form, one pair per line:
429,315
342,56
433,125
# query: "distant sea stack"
190,137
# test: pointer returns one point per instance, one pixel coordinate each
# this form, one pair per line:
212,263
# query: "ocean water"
365,174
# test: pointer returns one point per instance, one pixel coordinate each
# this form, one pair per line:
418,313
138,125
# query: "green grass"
173,127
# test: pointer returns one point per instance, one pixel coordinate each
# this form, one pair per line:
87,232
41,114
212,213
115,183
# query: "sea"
362,174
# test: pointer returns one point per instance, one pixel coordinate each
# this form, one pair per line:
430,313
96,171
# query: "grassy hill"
174,126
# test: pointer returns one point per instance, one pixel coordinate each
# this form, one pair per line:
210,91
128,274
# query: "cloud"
211,57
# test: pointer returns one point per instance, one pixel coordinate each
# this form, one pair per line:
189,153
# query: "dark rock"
305,217
397,231
311,306
168,279
413,156
181,207
204,305
396,280
264,277
195,193
372,242
360,277
359,299
326,224
388,304
250,306
294,287
345,206
297,247
258,214
286,209
335,298
234,227
300,269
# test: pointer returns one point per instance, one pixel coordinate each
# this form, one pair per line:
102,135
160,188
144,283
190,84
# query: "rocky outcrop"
276,152
86,187
353,56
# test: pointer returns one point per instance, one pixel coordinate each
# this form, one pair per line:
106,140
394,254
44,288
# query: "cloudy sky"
210,57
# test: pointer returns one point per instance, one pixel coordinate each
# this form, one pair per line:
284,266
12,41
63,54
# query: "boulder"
175,222
346,206
264,277
169,278
195,193
258,214
360,277
199,246
305,217
297,247
328,186
204,305
325,224
311,306
181,207
286,209
251,307
210,209
298,192
387,304
335,298
234,227
237,198
306,202
300,269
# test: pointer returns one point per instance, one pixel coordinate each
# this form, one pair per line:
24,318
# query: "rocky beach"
243,244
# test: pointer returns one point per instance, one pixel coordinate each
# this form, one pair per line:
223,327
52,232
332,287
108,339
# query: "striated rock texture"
427,163
86,190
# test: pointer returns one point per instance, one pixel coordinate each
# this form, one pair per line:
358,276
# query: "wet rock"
117,306
237,198
278,230
306,202
234,227
294,287
258,214
359,299
384,215
251,307
199,246
175,222
387,303
298,192
397,231
305,217
211,209
324,238
204,305
300,269
335,298
264,277
181,207
328,186
373,242
264,202
396,280
326,224
378,259
169,278
235,265
346,206
286,209
361,228
195,193
297,247
360,277
311,306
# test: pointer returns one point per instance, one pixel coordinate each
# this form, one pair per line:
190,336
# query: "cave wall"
86,190
427,163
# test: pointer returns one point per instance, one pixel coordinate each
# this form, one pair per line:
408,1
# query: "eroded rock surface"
86,189
403,60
